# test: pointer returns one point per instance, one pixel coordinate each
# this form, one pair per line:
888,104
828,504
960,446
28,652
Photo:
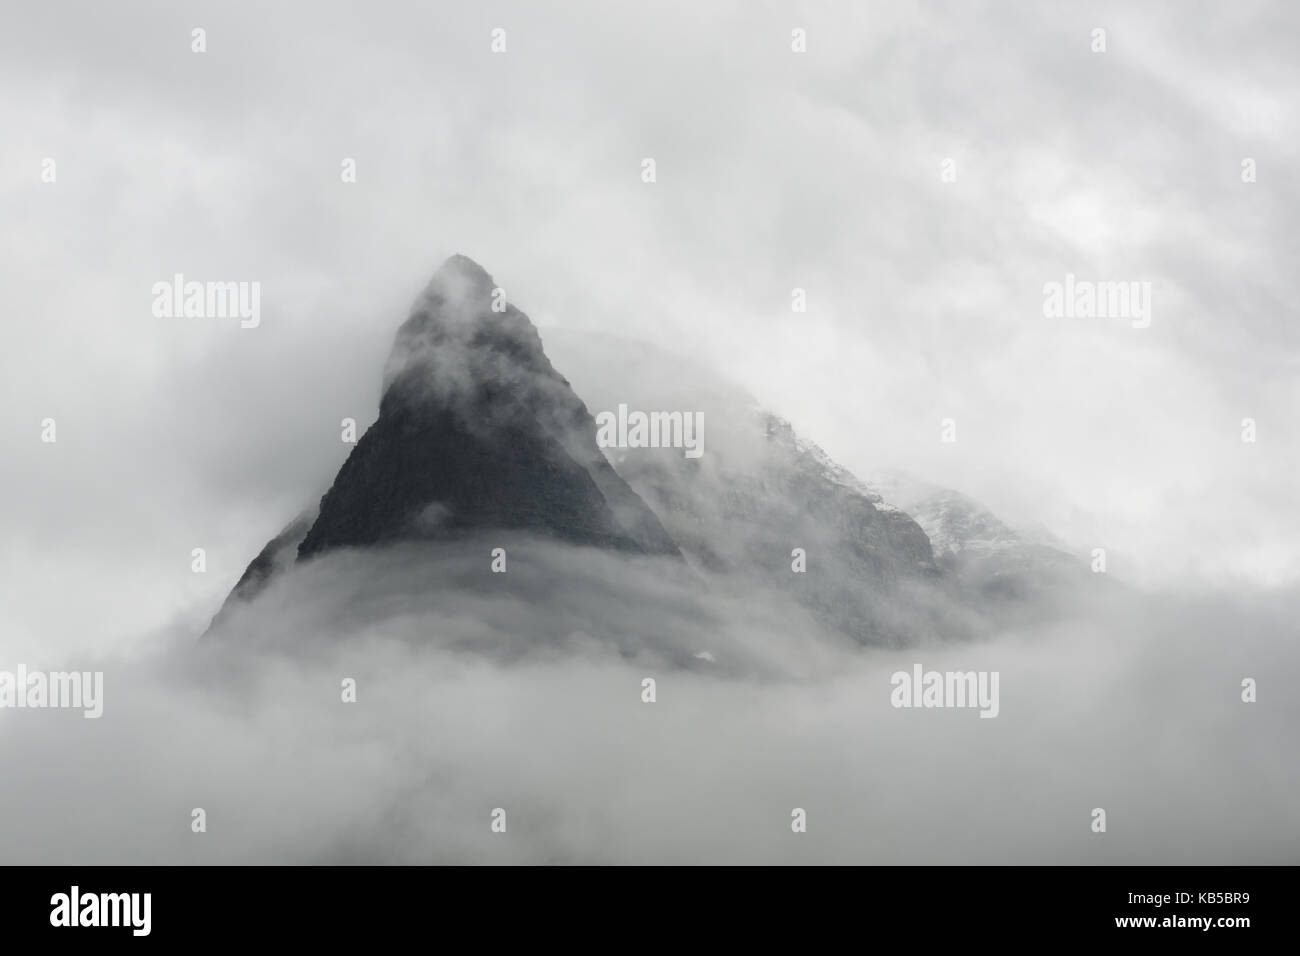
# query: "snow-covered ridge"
954,523
814,456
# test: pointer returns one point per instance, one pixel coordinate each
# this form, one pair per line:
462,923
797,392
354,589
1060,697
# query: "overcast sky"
775,170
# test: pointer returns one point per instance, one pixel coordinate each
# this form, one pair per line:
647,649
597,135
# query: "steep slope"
758,492
276,557
477,433
988,555
889,560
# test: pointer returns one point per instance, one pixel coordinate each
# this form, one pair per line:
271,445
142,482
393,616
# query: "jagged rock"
477,433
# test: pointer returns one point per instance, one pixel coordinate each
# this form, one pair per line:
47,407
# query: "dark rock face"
478,435
280,552
477,431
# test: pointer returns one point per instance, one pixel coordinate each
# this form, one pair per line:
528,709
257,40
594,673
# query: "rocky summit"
477,432
478,436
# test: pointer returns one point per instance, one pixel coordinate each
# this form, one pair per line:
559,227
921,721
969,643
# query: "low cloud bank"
524,691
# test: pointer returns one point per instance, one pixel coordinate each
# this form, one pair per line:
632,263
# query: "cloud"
473,697
818,171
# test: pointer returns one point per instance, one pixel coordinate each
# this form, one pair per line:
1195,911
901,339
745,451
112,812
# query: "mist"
819,172
472,697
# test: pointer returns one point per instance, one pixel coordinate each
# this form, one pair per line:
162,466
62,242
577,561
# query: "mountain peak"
477,430
461,268
477,433
459,293
461,320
